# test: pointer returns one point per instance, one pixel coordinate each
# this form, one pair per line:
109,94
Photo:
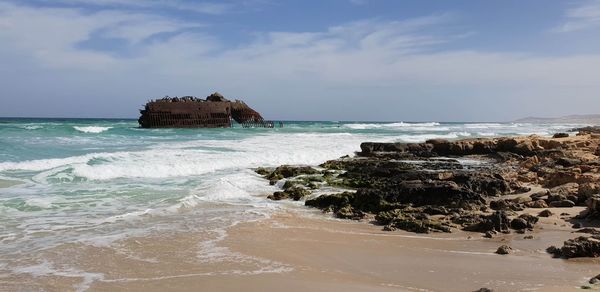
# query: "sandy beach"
297,252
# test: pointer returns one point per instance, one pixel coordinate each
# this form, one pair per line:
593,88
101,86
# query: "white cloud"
369,69
584,16
199,7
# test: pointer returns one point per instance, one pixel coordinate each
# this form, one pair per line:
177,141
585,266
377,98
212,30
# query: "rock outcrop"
478,185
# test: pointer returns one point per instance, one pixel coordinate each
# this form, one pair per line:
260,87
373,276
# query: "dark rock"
263,171
334,201
504,249
562,204
497,221
347,212
545,213
576,225
286,171
568,162
413,222
528,237
484,290
589,230
560,135
518,223
595,280
578,247
295,193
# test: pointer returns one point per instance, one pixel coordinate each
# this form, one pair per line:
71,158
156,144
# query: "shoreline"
299,249
298,252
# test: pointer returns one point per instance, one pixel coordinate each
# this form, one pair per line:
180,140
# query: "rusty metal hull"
214,112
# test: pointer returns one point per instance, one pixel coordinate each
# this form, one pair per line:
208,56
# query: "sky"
367,60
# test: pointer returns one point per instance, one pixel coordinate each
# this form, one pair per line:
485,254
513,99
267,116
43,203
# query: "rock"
586,190
578,247
562,204
528,237
545,213
504,249
497,221
331,201
576,225
413,222
347,212
540,204
295,193
565,190
589,230
568,162
490,234
286,171
595,280
593,207
518,223
484,290
560,135
263,170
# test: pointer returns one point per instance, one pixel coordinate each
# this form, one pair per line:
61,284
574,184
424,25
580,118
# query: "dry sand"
295,252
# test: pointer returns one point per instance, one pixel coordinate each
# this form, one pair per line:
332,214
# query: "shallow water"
95,182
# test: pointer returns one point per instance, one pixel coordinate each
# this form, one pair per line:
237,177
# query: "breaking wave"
91,129
400,125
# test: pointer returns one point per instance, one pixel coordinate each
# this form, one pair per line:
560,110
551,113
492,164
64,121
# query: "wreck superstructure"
191,112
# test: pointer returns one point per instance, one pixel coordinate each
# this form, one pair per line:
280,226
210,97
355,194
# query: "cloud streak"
370,69
582,17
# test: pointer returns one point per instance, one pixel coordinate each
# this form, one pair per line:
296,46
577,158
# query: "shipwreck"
215,111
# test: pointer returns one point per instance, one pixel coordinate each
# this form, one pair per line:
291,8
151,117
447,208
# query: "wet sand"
296,252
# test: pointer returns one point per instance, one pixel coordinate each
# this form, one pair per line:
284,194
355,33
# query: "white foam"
192,158
92,129
424,137
400,125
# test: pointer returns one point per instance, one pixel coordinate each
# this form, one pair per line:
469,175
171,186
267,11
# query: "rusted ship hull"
189,112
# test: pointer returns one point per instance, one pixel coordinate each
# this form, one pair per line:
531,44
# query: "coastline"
301,249
319,253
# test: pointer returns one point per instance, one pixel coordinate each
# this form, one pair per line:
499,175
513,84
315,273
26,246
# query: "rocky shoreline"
478,185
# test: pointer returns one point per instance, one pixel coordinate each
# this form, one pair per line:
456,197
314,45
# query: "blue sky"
419,60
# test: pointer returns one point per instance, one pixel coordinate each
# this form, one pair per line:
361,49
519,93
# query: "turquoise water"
95,181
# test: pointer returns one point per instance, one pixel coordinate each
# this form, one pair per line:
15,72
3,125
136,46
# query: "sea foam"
92,129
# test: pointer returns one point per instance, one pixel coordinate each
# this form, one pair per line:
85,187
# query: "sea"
97,182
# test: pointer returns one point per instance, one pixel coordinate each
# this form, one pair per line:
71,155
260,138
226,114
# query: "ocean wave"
400,125
194,157
92,129
32,127
424,137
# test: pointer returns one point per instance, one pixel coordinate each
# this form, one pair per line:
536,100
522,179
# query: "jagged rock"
578,247
504,249
497,221
545,213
